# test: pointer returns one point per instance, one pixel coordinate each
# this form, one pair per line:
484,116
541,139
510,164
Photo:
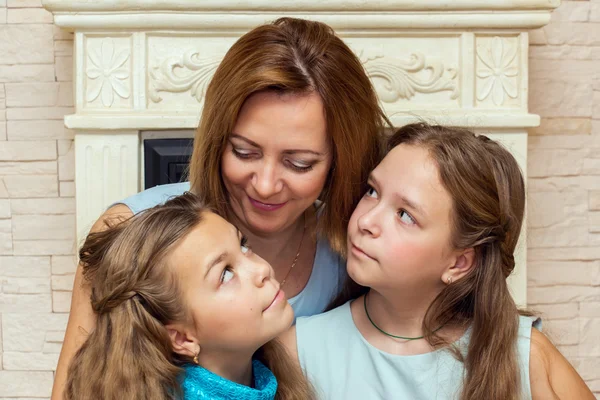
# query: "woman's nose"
266,180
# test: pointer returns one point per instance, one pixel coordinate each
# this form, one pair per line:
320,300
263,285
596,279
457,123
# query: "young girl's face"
234,301
399,234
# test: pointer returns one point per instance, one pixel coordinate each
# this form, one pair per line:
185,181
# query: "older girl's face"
400,233
277,159
233,300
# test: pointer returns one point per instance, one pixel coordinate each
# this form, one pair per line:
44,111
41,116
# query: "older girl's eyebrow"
399,197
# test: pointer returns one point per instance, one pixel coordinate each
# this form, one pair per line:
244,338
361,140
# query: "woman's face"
399,234
277,159
233,299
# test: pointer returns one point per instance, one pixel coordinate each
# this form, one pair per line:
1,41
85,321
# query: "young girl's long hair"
488,193
135,294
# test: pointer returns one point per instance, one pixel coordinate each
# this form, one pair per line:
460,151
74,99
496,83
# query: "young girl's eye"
406,218
371,192
226,275
244,246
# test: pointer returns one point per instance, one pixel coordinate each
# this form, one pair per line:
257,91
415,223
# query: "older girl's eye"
244,246
372,192
226,275
406,218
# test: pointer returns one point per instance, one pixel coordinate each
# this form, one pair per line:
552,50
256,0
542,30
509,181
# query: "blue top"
199,383
328,272
342,365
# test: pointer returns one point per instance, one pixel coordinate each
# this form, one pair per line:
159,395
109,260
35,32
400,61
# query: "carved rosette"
108,72
188,72
402,80
497,70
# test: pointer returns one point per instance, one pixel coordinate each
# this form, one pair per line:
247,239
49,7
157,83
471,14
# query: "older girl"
289,131
182,306
433,241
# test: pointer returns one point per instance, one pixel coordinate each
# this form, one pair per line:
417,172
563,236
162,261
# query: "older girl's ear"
461,264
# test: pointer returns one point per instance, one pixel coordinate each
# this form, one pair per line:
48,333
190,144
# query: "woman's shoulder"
154,196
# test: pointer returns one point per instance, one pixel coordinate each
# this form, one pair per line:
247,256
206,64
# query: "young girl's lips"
279,297
265,206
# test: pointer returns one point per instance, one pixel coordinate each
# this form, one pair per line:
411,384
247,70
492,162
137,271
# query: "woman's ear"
463,263
183,341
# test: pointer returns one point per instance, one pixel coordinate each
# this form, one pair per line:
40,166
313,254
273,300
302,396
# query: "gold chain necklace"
297,253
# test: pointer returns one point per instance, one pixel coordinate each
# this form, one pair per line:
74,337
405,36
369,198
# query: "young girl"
182,306
433,240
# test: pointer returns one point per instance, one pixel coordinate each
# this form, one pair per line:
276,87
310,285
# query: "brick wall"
564,183
36,197
37,204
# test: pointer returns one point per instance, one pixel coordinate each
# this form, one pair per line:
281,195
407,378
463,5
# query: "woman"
289,132
182,305
433,240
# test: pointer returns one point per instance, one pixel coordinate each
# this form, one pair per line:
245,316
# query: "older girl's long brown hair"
135,294
488,193
295,56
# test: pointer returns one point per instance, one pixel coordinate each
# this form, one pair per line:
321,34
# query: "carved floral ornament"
404,79
180,74
191,72
107,72
497,70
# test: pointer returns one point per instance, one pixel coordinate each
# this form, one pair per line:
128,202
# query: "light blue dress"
329,269
342,365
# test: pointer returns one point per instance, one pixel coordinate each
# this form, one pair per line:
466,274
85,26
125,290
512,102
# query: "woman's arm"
81,317
551,375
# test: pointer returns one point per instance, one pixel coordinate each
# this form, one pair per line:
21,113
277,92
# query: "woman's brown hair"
488,194
134,293
295,56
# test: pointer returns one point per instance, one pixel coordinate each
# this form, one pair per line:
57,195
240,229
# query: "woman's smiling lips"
279,296
265,206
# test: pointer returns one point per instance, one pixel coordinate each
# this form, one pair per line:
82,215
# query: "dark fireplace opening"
166,160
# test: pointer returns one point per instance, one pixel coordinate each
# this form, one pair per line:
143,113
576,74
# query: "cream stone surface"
559,54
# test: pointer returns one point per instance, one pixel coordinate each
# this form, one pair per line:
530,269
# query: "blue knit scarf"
200,383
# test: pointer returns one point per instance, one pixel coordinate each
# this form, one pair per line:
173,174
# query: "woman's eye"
406,218
226,275
300,166
241,153
244,246
371,192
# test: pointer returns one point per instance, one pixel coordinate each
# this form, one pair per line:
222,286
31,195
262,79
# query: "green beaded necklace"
389,334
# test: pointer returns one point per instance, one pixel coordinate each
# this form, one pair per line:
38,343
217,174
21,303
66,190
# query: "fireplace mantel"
145,64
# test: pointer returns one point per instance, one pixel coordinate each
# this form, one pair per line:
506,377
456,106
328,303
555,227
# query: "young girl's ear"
461,265
182,341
